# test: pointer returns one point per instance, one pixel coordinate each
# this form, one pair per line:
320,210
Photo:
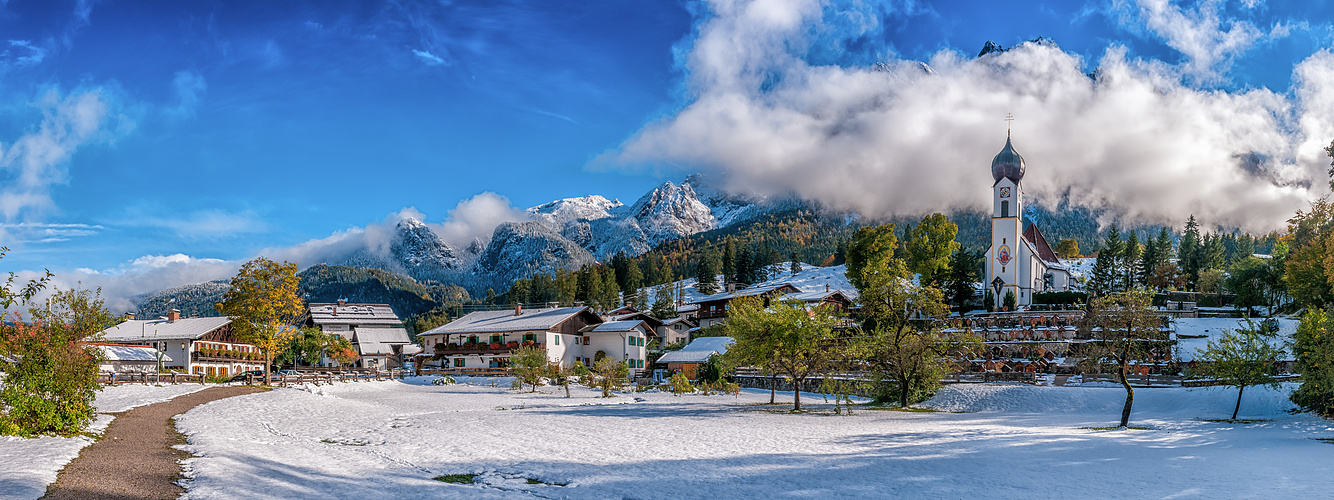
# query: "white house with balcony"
206,346
484,339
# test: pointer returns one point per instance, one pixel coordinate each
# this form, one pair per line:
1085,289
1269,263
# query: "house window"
472,339
712,308
495,339
556,339
586,340
1005,208
530,336
458,363
632,340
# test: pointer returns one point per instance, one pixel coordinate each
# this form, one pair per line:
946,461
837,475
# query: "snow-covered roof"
618,326
698,350
747,292
130,353
687,308
361,314
139,330
380,340
506,321
815,296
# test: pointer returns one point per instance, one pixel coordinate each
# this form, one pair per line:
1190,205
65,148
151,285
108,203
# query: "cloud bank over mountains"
1139,137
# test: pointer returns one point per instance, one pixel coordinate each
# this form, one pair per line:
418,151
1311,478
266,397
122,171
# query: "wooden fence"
987,377
148,378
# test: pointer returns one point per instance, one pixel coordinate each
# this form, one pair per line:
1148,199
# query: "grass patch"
1117,428
457,478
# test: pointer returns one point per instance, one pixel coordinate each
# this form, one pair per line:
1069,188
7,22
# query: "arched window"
1005,208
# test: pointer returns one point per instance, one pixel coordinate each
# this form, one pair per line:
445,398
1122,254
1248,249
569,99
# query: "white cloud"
200,224
431,59
189,87
910,138
476,218
37,160
1208,41
146,274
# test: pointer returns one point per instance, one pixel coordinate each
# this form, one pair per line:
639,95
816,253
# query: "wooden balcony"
478,349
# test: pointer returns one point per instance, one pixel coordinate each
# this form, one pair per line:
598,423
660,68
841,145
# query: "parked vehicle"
241,377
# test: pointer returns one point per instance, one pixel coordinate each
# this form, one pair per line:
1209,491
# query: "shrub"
680,384
445,380
50,389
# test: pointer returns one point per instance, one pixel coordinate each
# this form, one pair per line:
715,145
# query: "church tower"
1004,259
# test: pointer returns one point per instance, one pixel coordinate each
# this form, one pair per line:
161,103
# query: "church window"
1005,208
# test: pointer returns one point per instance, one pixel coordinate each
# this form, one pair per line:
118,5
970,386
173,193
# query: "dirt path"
134,459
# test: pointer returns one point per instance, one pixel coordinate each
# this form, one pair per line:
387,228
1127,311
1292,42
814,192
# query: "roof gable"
1034,235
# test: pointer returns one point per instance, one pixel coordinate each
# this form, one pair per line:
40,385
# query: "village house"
687,360
676,331
206,346
714,309
484,339
374,329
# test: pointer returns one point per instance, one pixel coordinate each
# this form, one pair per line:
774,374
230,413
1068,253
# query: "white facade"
1014,264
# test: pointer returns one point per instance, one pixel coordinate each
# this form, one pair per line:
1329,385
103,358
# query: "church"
1020,261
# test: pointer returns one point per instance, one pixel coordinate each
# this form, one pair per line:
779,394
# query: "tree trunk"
903,393
1237,408
268,370
773,388
566,383
796,393
1130,397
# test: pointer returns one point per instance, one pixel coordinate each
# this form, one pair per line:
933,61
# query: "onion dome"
1007,164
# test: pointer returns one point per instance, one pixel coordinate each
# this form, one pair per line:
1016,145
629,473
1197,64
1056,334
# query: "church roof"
1007,164
1034,236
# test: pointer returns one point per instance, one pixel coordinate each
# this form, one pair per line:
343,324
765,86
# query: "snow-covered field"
1211,328
389,439
27,466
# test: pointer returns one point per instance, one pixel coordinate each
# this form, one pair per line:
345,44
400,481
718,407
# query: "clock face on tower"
1005,192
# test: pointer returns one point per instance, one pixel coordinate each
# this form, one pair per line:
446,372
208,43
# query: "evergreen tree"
743,271
729,261
611,293
706,273
965,269
1130,261
1188,252
796,264
1106,268
1212,253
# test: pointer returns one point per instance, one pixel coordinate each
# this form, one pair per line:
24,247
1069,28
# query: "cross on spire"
1008,119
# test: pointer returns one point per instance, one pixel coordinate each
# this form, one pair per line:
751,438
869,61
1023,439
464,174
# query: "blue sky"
141,132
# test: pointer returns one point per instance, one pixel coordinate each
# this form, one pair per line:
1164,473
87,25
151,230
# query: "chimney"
518,309
826,287
129,315
342,302
173,315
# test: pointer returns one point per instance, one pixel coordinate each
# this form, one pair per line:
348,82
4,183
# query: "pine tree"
729,261
1106,269
706,273
796,264
1188,252
1129,261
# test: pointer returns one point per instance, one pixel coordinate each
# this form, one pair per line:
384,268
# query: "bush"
50,389
445,380
1067,297
1313,346
680,384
